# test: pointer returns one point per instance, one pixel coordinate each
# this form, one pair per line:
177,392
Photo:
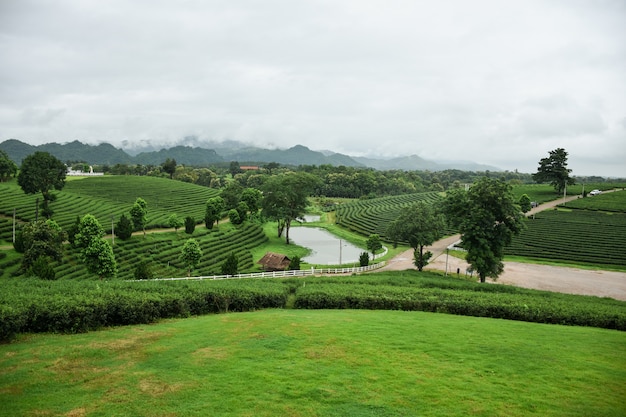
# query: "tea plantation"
589,230
108,196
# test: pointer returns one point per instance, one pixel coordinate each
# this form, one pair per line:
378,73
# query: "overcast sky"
495,82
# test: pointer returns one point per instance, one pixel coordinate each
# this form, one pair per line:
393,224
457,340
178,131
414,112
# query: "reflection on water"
309,218
325,247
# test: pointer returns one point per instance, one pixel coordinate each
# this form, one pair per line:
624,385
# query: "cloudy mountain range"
191,152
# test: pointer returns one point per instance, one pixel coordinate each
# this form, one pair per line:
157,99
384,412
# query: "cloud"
483,81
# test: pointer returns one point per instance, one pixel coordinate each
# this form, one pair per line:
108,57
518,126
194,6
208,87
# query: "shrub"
364,259
294,263
190,225
41,268
143,271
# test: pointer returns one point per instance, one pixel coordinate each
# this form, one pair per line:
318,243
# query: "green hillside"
108,196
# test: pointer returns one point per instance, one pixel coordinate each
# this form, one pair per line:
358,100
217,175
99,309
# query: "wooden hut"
274,262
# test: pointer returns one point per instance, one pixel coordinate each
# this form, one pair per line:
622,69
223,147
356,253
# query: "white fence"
282,274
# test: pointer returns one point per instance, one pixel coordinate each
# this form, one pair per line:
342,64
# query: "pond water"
326,248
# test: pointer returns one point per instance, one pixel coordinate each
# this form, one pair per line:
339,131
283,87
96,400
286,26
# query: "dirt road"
541,277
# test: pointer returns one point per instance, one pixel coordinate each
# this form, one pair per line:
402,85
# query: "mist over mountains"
192,152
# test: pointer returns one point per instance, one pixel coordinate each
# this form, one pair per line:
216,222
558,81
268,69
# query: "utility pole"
112,231
13,224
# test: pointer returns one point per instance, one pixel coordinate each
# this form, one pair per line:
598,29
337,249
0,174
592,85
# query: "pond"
326,248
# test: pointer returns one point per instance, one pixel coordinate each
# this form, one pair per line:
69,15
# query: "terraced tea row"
574,236
373,216
162,251
111,196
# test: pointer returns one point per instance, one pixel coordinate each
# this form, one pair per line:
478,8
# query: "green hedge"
32,306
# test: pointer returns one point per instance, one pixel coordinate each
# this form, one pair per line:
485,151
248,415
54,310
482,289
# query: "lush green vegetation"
583,235
108,196
30,305
162,252
610,202
319,363
542,193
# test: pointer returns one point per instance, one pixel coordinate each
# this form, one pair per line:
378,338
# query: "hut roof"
274,261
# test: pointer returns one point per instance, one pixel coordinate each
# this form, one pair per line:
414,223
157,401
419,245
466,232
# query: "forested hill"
106,154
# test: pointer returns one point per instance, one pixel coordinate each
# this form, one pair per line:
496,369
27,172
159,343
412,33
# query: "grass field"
319,363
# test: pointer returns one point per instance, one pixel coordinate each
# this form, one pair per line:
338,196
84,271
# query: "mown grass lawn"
319,363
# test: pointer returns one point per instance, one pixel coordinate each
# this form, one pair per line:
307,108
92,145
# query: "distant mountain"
297,155
102,154
184,155
17,150
209,153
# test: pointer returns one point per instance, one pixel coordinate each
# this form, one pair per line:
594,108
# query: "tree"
554,170
174,221
285,198
230,265
89,229
252,197
231,194
213,211
42,173
487,218
271,166
234,168
374,244
524,203
169,167
191,255
124,228
233,216
8,168
99,259
420,226
96,253
138,214
242,210
190,225
40,239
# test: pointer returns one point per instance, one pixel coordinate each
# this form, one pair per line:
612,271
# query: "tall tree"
252,197
374,244
213,211
420,226
169,166
175,222
40,239
124,228
8,168
96,253
139,213
553,169
488,218
234,168
41,173
285,198
191,254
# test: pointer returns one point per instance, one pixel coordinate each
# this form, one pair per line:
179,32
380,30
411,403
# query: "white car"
595,192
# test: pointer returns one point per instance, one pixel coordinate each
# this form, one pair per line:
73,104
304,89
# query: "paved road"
542,277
